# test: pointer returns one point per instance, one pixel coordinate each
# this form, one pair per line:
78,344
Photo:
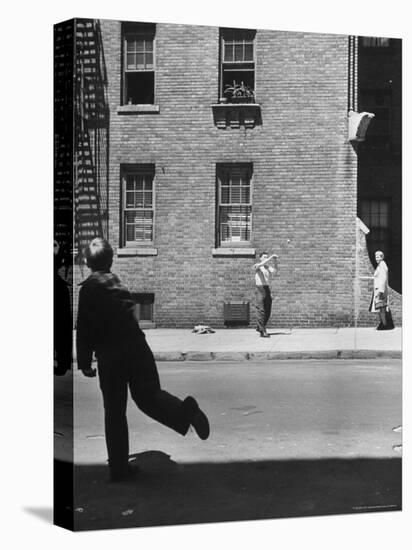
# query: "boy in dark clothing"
107,325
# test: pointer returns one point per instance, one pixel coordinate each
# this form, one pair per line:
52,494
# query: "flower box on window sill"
137,251
235,115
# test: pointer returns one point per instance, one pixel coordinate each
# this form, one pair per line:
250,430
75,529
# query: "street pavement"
288,438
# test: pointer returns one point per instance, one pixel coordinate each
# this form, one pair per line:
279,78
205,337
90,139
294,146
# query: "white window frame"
231,168
138,32
137,170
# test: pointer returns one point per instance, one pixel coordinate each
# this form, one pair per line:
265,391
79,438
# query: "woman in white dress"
379,301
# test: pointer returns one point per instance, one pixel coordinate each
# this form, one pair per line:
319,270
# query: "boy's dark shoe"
197,417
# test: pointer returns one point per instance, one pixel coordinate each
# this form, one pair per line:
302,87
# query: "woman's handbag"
379,302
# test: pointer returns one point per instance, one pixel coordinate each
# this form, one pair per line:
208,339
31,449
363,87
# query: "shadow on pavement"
45,514
167,493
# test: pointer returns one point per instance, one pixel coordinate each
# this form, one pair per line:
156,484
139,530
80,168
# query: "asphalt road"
289,438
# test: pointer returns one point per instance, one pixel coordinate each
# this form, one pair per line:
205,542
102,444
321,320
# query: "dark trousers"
135,369
263,306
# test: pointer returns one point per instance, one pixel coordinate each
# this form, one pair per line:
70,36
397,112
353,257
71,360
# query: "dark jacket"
106,322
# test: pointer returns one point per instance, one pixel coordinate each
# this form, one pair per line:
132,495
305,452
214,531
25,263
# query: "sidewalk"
245,344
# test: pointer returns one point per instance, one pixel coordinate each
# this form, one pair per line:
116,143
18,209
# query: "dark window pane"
130,61
228,52
130,45
147,199
139,88
139,199
129,232
149,60
146,312
239,52
245,195
248,52
130,200
140,61
225,195
235,195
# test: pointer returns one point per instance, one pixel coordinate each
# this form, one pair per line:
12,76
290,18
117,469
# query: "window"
237,65
374,42
144,308
375,214
138,63
234,204
138,210
378,102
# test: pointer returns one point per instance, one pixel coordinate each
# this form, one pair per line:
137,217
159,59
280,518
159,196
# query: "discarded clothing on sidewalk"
202,329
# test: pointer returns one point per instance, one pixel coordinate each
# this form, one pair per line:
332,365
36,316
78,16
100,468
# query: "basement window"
144,310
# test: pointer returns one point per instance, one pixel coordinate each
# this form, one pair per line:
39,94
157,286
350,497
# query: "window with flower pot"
237,67
138,63
234,204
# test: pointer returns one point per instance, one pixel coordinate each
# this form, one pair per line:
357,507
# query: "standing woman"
379,301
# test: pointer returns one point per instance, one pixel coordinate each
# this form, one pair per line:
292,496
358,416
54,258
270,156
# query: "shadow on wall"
167,493
92,118
364,287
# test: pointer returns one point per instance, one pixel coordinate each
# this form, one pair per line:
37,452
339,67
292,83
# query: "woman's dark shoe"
197,417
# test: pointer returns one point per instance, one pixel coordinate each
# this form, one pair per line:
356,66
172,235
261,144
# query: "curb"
276,355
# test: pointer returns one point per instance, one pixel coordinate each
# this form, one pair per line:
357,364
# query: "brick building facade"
189,182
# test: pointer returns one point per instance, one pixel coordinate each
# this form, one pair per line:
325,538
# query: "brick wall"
304,177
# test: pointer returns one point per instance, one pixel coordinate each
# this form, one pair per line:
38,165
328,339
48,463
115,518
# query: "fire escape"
91,136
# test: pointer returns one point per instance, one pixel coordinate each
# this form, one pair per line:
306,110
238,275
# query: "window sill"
235,115
231,252
142,108
134,251
147,324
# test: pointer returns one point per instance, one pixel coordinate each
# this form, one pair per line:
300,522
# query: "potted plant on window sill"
238,93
